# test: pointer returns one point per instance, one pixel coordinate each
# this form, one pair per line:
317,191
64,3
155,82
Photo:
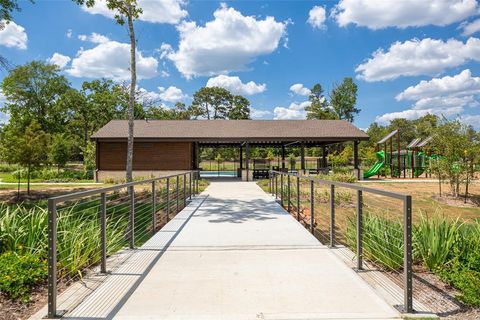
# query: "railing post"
288,194
103,232
197,178
270,182
168,200
407,255
332,215
131,191
177,192
52,259
190,186
154,209
298,196
312,207
359,230
276,185
281,189
184,190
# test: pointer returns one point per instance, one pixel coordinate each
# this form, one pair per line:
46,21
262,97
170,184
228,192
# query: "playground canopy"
174,144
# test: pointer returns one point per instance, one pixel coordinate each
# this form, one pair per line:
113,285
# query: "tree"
211,103
318,108
180,112
32,92
219,103
89,156
27,148
239,108
7,7
452,143
343,99
126,10
60,150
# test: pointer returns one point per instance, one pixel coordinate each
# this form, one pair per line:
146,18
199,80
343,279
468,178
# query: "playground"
415,161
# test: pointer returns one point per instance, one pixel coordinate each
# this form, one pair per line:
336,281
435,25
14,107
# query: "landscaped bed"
446,239
23,241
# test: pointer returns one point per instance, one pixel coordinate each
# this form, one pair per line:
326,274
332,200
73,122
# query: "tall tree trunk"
131,101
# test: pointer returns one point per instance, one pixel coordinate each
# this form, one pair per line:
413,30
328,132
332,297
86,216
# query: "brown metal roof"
234,130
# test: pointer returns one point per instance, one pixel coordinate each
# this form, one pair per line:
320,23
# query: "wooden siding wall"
146,155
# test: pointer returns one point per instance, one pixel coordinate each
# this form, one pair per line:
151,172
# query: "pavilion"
173,145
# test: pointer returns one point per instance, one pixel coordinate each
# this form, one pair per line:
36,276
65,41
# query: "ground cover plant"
24,235
446,238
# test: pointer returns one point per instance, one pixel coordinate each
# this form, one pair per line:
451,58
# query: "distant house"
162,146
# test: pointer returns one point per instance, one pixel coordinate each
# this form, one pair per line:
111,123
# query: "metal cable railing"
375,224
84,228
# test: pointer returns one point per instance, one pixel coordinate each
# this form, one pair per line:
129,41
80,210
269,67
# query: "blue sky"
409,58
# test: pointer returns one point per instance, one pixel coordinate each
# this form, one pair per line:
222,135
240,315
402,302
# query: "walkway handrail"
275,176
157,194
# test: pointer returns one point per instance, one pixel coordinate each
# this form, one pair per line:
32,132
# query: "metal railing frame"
101,192
407,220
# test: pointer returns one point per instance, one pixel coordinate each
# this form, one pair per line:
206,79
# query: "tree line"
50,122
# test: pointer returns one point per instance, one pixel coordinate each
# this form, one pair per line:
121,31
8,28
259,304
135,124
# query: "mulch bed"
472,201
11,196
17,310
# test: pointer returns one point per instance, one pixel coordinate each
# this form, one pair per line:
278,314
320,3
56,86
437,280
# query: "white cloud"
111,59
299,89
69,33
155,11
379,14
445,96
471,28
13,35
418,57
236,86
60,60
295,111
93,38
471,119
228,43
462,84
171,94
259,114
146,97
317,17
412,114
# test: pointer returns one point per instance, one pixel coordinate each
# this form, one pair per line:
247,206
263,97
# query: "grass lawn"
425,199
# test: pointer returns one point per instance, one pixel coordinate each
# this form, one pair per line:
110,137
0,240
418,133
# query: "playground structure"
411,162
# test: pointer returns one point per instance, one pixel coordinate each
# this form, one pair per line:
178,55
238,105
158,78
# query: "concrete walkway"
233,253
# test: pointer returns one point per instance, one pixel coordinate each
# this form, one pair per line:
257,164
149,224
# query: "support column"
324,156
97,160
355,159
283,157
196,156
302,157
247,161
241,162
398,153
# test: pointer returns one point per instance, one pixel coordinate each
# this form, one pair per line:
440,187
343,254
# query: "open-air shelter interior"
172,145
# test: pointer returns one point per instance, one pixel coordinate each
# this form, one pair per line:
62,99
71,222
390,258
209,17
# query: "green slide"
377,166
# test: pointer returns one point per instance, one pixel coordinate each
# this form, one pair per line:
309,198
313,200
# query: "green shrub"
382,240
5,167
467,281
347,177
433,240
24,230
19,274
341,170
52,175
